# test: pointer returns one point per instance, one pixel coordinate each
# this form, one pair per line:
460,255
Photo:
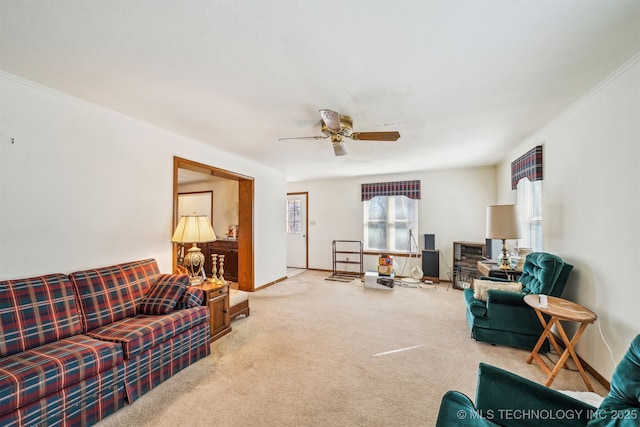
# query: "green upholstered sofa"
505,318
506,399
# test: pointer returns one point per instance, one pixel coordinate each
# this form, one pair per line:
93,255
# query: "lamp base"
194,262
504,261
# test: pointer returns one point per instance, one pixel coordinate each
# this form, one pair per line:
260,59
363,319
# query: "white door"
297,230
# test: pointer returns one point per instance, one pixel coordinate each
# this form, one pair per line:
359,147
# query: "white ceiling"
462,81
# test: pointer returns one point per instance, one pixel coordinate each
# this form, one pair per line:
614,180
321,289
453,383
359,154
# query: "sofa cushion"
152,367
81,404
621,407
36,311
142,332
164,295
28,376
236,297
112,293
192,297
540,272
481,288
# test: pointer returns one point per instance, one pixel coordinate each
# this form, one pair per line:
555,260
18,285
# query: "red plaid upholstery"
112,293
82,404
36,311
30,375
140,333
164,295
192,297
157,364
52,375
410,189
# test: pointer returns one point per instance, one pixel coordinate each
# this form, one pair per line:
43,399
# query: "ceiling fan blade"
375,136
339,149
331,119
303,137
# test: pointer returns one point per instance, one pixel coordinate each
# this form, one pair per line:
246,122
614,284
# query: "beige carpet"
323,353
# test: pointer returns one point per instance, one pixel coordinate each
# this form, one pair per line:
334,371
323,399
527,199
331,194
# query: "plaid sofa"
74,348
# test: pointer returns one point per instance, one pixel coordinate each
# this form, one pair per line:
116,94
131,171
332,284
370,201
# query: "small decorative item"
385,264
214,273
221,279
233,232
513,261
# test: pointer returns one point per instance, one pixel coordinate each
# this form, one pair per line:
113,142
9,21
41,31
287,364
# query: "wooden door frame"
246,276
306,208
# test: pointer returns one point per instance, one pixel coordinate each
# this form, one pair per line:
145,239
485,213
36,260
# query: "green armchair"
505,318
506,399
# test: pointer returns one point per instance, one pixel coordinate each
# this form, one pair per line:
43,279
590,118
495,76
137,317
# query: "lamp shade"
502,222
194,229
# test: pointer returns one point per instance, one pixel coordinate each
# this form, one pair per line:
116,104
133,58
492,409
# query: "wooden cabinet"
465,263
228,248
216,297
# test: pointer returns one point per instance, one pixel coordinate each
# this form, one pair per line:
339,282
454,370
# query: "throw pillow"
481,287
164,294
192,297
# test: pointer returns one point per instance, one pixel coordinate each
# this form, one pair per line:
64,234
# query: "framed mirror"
196,203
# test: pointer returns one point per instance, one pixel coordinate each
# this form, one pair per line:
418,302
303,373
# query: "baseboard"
602,380
432,278
590,369
266,285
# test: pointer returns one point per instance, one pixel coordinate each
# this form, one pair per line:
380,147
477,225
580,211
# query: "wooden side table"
560,309
216,297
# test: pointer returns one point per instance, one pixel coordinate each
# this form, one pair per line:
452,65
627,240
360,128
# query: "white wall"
83,187
269,224
591,207
452,207
225,202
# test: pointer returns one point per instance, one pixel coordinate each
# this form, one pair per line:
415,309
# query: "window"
387,222
293,216
530,210
526,178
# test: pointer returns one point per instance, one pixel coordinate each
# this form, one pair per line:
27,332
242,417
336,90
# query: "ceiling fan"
337,126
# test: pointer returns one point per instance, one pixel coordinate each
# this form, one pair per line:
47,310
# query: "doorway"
245,216
297,225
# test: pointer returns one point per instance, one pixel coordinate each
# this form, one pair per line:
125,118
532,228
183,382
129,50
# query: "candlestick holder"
214,272
221,268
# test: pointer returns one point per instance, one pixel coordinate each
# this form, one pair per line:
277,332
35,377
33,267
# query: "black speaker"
431,263
429,242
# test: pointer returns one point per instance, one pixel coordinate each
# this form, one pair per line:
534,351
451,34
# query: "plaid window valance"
528,165
411,189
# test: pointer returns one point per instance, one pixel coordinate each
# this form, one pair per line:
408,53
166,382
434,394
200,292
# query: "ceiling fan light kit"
339,149
338,126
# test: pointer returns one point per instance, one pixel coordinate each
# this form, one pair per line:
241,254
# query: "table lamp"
194,229
502,223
